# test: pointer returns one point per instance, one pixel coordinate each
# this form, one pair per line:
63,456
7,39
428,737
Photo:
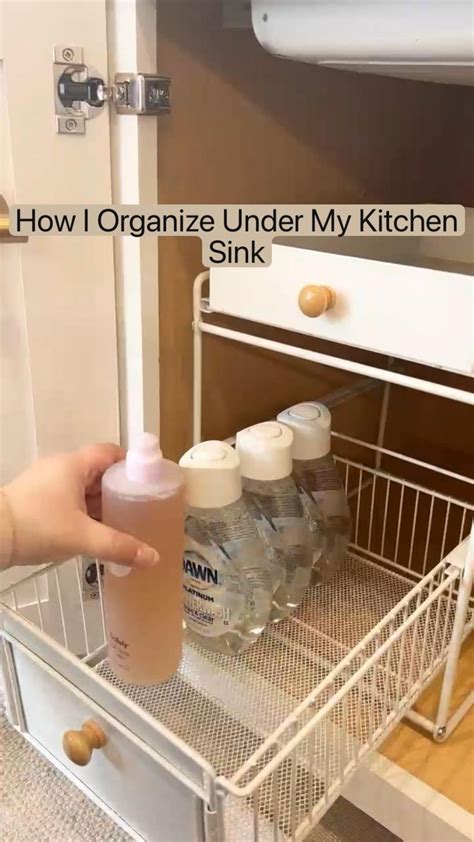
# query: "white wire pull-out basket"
267,740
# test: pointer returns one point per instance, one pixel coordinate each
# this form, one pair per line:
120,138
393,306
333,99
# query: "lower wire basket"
286,723
269,738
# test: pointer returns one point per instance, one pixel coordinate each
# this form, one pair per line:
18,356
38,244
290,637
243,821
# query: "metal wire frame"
283,787
444,724
347,714
407,509
62,611
325,738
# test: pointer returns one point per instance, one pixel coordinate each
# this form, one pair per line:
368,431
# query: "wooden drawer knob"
79,745
314,300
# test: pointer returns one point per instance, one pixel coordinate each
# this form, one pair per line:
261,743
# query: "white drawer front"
426,315
123,774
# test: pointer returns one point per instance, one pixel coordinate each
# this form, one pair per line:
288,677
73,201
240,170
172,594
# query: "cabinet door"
74,369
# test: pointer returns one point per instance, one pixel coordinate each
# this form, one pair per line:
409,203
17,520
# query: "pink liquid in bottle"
144,607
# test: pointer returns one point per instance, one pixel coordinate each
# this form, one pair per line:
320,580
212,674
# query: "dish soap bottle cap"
311,426
265,451
211,475
144,459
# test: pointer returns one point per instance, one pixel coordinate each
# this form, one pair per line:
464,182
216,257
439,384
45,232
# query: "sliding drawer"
124,776
402,310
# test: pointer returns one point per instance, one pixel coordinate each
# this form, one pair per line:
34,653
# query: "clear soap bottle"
266,465
143,496
320,486
227,596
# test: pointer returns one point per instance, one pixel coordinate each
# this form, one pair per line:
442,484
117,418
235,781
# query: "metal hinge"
141,93
80,92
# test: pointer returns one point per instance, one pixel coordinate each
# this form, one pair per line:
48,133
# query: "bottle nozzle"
144,458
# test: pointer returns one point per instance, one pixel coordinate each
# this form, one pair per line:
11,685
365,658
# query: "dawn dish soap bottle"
266,466
227,594
320,486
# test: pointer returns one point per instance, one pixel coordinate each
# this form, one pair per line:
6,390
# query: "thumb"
108,544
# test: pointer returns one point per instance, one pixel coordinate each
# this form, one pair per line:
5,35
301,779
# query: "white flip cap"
211,475
265,451
311,426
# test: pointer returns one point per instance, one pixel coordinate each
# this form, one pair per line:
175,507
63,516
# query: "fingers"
108,544
96,458
94,506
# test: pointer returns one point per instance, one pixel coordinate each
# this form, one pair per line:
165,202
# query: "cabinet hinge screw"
68,54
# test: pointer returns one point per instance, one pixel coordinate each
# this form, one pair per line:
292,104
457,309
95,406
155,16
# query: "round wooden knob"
314,300
79,745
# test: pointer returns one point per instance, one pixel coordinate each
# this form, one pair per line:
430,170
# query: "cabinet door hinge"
80,93
141,93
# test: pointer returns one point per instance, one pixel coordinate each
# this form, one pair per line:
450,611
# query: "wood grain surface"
446,767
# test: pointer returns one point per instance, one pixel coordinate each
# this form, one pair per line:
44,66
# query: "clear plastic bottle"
266,465
143,496
320,486
227,595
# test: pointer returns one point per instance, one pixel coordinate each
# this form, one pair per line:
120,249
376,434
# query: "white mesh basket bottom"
225,706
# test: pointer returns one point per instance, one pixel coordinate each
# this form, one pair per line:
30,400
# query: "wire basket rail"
287,723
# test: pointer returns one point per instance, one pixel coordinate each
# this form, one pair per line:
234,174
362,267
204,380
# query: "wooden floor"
447,767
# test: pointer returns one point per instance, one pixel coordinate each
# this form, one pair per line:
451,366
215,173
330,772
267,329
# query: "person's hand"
51,513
